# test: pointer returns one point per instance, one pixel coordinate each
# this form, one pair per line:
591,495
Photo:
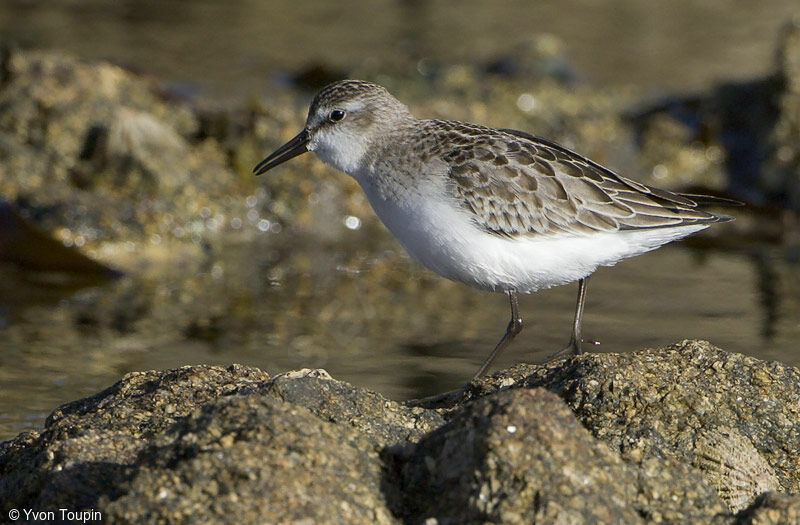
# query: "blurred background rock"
134,236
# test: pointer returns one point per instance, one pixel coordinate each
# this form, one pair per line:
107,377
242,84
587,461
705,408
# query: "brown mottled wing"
518,184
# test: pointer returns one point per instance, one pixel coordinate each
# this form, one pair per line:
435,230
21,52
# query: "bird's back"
516,184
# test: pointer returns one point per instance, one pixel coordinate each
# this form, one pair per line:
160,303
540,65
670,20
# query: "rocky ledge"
688,433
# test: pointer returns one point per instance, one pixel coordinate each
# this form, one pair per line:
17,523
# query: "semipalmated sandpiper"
497,209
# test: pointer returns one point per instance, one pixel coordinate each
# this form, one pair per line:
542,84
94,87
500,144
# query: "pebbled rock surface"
684,434
248,459
521,456
670,403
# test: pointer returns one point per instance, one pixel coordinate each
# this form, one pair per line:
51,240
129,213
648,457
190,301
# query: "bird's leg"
574,345
455,396
575,339
514,327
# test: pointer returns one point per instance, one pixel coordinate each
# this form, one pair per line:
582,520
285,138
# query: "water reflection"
365,312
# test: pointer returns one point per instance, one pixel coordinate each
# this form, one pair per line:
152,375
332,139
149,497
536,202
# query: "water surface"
371,316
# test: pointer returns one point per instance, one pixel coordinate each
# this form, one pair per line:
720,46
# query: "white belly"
443,238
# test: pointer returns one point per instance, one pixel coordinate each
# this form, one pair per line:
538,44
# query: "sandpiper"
497,209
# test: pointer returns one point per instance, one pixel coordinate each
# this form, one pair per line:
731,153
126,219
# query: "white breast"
442,237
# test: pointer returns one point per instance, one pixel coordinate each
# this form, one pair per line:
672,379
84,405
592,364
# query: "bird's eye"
336,115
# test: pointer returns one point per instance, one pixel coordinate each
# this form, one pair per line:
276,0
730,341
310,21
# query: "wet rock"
166,444
104,160
781,178
671,435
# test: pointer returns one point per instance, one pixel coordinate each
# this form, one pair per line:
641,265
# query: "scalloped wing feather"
516,184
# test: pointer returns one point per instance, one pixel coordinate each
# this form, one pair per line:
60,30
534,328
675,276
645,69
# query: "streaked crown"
345,90
348,117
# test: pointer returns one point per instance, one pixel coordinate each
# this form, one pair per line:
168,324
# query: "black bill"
296,146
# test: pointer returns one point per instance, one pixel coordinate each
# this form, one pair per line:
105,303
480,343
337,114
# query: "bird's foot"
572,348
446,399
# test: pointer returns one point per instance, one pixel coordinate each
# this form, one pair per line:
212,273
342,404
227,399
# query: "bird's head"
345,119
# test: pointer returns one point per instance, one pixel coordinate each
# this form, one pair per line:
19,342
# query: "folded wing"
517,184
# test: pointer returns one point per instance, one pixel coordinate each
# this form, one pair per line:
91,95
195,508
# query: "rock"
254,459
781,177
598,437
741,137
666,403
95,154
87,447
23,244
162,443
384,422
521,456
733,467
771,508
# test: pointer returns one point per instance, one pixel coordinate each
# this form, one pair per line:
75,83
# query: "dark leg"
514,327
574,345
575,340
455,396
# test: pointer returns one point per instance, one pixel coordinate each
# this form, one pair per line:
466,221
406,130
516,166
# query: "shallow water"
369,315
